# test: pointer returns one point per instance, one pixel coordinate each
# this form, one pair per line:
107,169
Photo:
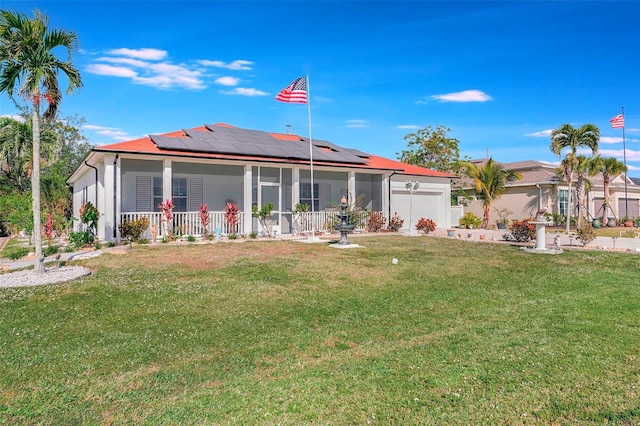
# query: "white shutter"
195,194
143,194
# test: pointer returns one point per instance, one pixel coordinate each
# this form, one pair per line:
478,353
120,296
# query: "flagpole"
313,209
624,153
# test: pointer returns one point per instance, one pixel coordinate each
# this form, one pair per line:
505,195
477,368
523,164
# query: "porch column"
247,199
295,175
351,187
167,173
386,194
108,228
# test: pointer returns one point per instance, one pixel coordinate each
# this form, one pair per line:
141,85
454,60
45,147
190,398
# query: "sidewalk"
565,241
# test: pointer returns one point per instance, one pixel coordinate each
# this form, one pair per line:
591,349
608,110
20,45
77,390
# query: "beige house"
541,188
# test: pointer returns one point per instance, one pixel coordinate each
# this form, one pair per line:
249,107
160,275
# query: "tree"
584,167
16,140
610,168
432,148
567,136
490,181
27,60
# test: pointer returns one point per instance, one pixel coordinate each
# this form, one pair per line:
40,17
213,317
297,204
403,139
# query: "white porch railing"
189,223
325,220
185,223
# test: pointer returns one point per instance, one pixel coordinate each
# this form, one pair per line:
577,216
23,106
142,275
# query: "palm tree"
584,167
490,181
610,168
27,60
567,136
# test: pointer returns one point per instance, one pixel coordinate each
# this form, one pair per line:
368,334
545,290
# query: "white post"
411,186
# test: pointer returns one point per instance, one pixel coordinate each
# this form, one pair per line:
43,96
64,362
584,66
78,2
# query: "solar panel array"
236,141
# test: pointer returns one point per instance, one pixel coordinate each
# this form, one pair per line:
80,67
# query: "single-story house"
214,163
542,188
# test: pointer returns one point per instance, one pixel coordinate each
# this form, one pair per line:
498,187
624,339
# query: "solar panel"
235,141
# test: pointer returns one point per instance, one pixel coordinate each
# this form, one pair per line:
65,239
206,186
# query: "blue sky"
499,74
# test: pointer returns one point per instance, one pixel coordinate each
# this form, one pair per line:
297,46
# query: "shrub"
585,234
470,220
376,222
425,225
15,252
395,223
132,229
232,236
79,240
522,231
191,238
231,214
89,216
49,250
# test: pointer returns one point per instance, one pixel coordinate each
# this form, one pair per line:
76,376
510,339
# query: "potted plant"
503,217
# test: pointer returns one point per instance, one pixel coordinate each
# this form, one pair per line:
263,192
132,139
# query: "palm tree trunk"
568,214
485,217
38,265
605,204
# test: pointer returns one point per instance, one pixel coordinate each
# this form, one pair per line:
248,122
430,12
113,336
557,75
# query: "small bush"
253,235
15,252
469,221
395,223
585,234
232,236
425,225
376,222
49,250
132,229
142,241
191,238
79,240
522,231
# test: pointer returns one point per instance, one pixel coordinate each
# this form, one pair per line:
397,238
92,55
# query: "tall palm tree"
27,60
610,168
490,181
567,136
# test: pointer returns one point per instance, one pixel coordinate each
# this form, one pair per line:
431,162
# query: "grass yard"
279,332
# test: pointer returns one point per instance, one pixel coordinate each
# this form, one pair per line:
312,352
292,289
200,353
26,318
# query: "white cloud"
407,126
150,67
146,54
162,75
245,91
609,140
103,69
238,65
541,134
354,124
620,154
227,81
464,96
113,133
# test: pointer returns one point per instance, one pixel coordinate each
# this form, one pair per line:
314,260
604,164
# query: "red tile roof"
146,146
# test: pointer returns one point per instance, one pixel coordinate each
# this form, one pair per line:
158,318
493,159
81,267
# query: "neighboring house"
214,163
542,188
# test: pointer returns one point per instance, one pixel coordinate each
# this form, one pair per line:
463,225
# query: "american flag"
295,93
617,122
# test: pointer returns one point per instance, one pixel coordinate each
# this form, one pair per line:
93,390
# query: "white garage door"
423,204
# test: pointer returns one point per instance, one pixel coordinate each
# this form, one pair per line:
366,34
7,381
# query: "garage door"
423,204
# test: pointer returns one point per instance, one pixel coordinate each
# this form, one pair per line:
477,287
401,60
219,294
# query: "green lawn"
266,332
